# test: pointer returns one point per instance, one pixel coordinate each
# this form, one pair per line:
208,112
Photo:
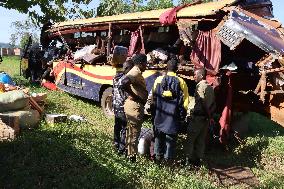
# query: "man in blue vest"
169,106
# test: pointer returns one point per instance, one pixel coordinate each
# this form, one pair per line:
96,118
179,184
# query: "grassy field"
80,155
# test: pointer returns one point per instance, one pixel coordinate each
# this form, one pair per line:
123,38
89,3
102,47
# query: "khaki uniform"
198,126
134,109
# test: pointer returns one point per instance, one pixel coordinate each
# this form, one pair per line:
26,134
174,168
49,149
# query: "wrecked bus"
238,42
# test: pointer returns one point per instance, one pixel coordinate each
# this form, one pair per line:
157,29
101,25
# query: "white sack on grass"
145,138
13,100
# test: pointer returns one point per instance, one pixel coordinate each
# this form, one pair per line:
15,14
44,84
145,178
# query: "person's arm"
125,85
153,99
204,94
184,89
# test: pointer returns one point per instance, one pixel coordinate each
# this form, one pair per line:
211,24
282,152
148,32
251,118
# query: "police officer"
201,117
135,85
169,106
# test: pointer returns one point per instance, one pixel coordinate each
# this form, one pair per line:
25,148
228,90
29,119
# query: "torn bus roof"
241,26
204,9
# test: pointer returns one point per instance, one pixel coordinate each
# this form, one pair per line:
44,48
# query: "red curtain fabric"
207,52
170,16
49,85
225,120
133,42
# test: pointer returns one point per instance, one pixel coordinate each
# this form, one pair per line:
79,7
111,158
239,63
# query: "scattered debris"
55,118
18,109
27,119
35,105
77,118
145,141
6,133
6,79
39,97
11,121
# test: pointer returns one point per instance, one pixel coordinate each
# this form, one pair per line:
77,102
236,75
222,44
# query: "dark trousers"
120,133
196,136
165,145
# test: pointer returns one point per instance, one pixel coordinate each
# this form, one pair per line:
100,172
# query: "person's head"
199,74
127,66
140,60
172,65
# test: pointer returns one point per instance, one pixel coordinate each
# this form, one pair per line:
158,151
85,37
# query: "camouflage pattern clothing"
118,96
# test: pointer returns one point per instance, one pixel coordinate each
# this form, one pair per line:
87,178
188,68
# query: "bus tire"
106,102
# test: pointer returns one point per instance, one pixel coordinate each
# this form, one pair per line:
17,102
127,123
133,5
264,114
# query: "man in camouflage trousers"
119,97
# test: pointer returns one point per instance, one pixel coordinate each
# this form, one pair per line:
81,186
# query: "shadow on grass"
45,159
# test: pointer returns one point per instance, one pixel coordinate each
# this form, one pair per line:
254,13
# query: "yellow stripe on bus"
98,70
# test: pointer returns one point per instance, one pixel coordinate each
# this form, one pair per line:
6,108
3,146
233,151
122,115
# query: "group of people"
169,109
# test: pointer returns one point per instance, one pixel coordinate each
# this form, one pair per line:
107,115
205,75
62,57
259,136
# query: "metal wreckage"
238,41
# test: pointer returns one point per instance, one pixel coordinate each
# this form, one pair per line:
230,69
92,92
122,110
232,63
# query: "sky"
9,16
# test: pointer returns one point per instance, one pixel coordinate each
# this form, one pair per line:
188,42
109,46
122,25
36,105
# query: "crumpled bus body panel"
240,26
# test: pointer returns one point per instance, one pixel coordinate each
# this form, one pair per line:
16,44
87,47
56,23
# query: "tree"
158,4
181,2
114,7
107,8
40,11
22,31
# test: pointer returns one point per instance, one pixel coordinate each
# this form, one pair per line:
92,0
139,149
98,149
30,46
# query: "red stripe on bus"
61,65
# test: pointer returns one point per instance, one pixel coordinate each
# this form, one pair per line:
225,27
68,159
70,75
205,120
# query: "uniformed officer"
201,117
135,85
169,106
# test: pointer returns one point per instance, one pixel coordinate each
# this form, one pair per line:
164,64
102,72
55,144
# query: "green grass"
80,155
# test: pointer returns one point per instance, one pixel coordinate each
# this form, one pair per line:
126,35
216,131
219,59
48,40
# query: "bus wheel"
106,102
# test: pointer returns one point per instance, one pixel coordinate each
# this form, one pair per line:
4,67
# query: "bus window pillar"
109,40
142,40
